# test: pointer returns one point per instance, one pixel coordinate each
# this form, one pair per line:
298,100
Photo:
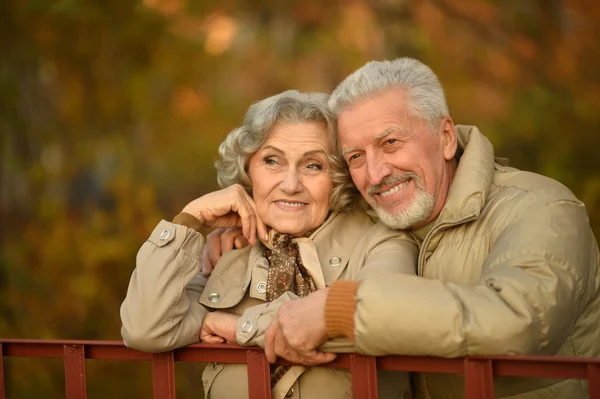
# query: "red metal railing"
478,371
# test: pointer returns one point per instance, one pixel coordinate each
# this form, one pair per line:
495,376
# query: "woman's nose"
291,183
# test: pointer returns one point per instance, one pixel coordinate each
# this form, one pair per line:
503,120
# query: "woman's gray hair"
424,93
289,106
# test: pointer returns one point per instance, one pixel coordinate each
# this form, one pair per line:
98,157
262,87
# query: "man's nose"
292,181
377,168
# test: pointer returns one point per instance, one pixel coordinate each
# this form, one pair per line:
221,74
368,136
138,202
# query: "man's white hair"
424,93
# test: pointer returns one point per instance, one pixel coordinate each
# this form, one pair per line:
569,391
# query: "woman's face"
290,175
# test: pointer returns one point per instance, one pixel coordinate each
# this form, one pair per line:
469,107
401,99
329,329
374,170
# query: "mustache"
390,180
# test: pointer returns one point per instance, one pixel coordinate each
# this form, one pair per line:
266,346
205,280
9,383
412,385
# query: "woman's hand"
219,327
229,207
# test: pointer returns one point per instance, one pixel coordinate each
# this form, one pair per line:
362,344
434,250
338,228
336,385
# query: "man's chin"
403,219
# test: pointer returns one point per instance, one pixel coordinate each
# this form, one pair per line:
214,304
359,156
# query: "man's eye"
391,141
353,157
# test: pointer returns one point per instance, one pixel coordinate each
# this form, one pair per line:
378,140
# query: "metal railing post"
479,379
2,389
363,370
163,375
259,375
594,380
74,359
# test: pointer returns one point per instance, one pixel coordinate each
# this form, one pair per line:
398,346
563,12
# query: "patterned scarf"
286,273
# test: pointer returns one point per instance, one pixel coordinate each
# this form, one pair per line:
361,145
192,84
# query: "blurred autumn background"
111,113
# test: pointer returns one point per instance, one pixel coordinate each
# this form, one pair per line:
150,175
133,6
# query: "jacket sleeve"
389,251
161,310
535,282
255,320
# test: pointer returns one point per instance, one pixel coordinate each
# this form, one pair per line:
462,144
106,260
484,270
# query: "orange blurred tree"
112,113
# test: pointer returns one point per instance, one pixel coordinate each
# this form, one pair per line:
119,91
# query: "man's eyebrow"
347,150
385,133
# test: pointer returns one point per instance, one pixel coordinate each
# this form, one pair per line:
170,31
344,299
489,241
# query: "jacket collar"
473,177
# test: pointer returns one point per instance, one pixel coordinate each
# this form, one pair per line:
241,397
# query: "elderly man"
508,263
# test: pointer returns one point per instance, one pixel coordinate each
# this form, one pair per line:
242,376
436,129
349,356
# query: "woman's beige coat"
510,266
167,298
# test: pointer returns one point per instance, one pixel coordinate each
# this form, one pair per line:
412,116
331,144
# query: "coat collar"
473,177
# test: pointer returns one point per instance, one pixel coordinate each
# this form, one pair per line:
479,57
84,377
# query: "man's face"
400,167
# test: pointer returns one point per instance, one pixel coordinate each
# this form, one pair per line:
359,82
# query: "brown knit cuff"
340,307
187,220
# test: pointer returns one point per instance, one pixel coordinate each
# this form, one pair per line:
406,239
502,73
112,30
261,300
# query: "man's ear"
449,141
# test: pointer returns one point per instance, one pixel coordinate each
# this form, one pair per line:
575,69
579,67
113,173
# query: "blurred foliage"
111,113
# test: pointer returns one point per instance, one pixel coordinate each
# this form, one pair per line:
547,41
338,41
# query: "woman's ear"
449,141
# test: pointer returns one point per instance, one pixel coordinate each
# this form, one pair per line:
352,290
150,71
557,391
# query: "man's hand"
219,327
217,243
298,329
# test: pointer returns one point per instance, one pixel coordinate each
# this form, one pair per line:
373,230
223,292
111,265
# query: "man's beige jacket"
510,266
167,298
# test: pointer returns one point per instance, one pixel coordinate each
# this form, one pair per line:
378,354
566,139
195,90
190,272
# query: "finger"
241,241
270,341
248,220
229,237
314,358
213,339
253,217
282,349
205,266
261,227
213,247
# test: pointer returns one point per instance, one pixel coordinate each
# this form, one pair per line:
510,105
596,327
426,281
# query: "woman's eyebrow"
270,147
313,152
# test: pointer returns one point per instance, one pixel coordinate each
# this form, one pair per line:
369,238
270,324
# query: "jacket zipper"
435,230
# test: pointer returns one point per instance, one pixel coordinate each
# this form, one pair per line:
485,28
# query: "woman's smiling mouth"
290,205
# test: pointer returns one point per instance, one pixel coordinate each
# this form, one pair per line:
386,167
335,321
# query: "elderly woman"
280,183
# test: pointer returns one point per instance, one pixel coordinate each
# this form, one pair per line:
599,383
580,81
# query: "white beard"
417,213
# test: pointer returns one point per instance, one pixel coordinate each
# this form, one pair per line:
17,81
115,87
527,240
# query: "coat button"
164,235
335,261
261,287
290,393
247,327
214,297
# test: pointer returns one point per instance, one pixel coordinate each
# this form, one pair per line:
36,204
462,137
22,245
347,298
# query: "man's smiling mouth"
394,189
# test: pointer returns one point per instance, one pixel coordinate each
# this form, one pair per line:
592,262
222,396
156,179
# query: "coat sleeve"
535,282
161,310
255,320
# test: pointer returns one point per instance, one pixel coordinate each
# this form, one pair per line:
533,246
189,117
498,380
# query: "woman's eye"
314,166
353,157
270,161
